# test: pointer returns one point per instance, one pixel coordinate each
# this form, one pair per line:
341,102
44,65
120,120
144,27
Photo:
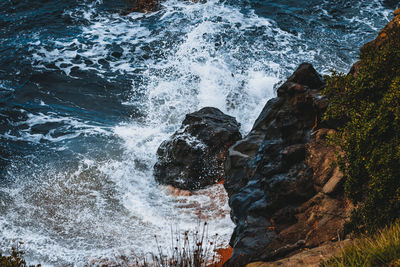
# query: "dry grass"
192,249
382,249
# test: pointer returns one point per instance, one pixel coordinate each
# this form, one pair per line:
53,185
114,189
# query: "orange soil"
224,254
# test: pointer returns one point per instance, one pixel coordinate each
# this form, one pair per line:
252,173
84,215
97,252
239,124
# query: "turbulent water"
87,95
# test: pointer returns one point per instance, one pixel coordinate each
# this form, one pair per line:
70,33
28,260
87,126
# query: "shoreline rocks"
282,197
193,157
285,192
144,6
147,6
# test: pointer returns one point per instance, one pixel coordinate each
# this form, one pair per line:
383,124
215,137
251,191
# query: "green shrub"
15,259
368,104
382,249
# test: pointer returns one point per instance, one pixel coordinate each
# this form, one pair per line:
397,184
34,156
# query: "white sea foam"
74,126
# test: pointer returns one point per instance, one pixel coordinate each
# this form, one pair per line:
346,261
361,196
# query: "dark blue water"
87,95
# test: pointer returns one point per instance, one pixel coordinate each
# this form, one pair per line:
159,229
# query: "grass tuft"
190,249
381,249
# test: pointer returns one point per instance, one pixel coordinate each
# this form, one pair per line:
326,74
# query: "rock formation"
145,6
193,157
284,191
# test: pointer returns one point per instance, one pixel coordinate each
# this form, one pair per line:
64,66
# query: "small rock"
116,54
334,182
193,157
305,75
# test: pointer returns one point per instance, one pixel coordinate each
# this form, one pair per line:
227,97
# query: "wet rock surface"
147,6
284,192
144,6
193,157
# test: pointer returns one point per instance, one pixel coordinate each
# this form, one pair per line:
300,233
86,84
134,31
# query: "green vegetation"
382,249
15,259
368,106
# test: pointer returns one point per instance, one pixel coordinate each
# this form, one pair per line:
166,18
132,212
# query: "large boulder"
193,157
284,191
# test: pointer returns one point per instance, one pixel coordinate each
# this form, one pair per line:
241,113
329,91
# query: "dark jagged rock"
193,157
280,199
144,6
147,6
305,77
